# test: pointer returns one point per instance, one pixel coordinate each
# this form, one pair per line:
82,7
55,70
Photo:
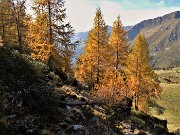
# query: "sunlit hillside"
169,101
118,77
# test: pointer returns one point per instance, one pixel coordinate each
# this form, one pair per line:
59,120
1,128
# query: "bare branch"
80,103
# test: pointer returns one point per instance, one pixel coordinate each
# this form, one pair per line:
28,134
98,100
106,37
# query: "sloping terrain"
163,37
168,104
37,100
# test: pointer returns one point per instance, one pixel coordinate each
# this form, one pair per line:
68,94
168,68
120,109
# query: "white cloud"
110,11
81,13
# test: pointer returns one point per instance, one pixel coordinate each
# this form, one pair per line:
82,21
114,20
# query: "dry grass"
170,100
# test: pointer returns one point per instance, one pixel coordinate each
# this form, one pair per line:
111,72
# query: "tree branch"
79,103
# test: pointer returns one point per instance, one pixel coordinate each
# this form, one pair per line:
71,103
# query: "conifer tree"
20,18
39,46
94,57
82,72
113,89
141,78
58,32
12,28
7,28
118,46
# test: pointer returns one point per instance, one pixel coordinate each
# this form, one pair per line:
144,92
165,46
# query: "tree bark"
136,102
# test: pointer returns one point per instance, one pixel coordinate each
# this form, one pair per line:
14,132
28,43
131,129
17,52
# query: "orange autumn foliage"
39,45
91,64
140,76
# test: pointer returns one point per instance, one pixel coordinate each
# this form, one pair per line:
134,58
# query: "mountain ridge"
163,37
162,34
152,22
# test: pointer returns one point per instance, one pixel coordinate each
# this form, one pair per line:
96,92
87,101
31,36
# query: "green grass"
169,100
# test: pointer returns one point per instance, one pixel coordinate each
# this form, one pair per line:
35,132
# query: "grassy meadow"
169,101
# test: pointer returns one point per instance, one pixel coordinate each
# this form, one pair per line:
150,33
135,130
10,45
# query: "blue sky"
81,12
142,4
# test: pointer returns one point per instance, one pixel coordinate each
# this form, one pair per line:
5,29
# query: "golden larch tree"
113,88
118,46
94,57
58,32
141,78
12,28
39,46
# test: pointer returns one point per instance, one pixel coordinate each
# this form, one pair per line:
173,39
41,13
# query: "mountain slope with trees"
41,93
113,71
163,37
162,34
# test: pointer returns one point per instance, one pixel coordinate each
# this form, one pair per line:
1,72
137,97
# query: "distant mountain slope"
82,36
163,37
